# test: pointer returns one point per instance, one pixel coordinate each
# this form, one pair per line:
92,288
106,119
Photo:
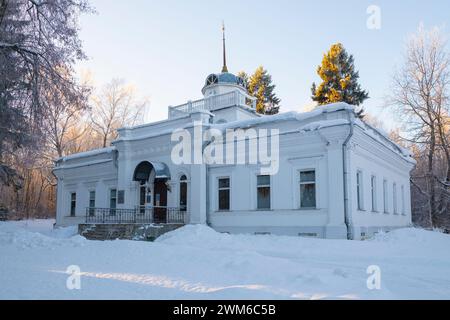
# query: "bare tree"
62,115
420,95
116,106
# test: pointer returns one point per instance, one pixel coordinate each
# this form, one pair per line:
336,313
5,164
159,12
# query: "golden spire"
224,68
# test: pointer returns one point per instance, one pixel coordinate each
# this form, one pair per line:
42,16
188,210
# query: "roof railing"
212,103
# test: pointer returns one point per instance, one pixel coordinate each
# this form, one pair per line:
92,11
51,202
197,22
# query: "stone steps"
144,232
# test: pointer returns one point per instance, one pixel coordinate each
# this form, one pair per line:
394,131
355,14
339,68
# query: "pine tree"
260,86
339,79
244,76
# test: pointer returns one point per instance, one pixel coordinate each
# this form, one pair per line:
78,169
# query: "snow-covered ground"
196,262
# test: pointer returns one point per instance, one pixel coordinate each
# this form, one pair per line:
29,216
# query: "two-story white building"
335,176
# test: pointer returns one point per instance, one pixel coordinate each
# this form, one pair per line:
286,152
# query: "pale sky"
167,48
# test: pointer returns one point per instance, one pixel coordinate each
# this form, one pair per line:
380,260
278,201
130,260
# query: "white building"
337,176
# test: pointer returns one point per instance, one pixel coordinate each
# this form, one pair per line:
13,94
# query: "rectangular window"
403,199
359,190
113,201
263,191
183,193
121,197
224,194
308,189
394,197
73,203
91,202
373,186
385,197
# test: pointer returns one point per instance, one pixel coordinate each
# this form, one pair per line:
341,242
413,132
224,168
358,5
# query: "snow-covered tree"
420,98
39,45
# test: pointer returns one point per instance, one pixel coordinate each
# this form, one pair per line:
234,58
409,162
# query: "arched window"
212,79
183,193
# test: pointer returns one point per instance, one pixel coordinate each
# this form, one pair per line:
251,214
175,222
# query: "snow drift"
195,262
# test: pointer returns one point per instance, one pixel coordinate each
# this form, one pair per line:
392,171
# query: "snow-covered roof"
373,132
292,115
86,154
381,135
82,164
316,125
265,119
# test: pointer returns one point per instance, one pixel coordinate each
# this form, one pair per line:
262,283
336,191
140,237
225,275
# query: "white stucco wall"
373,159
318,147
98,174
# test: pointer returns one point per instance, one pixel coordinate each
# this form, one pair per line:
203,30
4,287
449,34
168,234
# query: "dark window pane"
308,195
263,180
224,183
121,196
307,176
91,207
91,202
264,198
73,203
142,196
183,196
112,201
224,199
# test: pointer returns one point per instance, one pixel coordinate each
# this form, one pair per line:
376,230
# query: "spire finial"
224,68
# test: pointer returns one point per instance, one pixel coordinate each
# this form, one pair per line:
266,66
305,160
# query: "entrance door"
160,201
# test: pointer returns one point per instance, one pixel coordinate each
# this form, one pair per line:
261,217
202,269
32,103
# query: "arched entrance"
152,178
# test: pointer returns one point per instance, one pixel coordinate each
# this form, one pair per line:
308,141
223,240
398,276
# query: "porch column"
197,191
125,181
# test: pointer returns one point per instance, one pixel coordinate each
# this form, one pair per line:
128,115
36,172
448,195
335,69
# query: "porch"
138,215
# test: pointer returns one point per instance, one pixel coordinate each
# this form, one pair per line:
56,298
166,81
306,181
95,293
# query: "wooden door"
160,201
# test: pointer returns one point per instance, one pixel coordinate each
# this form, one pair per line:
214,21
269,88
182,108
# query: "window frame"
184,182
385,196
264,186
73,204
112,210
92,208
402,190
373,192
360,190
222,189
394,198
299,186
120,196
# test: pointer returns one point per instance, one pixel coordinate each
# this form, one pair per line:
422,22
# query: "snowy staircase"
146,232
